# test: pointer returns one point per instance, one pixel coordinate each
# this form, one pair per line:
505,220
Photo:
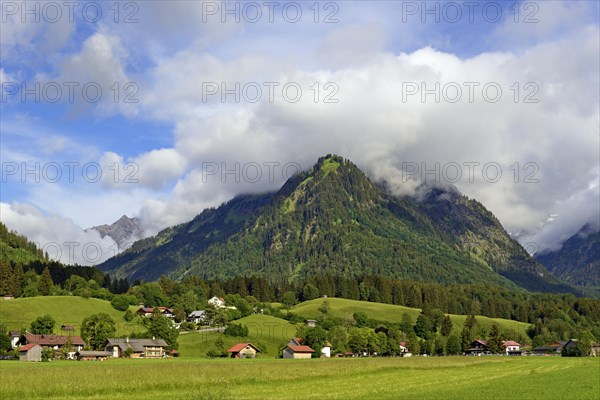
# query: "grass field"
387,312
71,310
464,378
271,332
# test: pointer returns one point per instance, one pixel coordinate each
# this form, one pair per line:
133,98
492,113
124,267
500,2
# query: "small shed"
296,352
311,323
84,355
243,350
30,352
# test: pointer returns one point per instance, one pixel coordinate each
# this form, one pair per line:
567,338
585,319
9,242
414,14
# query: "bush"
128,316
214,353
187,326
236,330
120,302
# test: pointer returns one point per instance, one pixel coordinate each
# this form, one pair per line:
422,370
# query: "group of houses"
294,349
558,346
480,347
31,346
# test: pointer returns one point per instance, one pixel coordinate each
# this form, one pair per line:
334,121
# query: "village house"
30,352
296,350
84,355
552,348
311,323
326,350
243,350
14,338
148,311
196,317
218,302
480,347
140,348
9,297
55,342
404,349
595,350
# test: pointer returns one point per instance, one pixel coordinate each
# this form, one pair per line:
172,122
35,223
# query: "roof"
14,333
84,353
297,340
196,314
300,349
28,346
52,340
510,343
137,345
240,346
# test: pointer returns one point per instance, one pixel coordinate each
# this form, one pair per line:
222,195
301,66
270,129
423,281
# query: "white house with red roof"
217,301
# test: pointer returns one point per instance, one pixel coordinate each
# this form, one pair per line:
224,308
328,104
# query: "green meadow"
268,332
344,308
464,378
18,314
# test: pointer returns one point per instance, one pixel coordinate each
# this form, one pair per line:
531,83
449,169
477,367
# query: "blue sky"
369,52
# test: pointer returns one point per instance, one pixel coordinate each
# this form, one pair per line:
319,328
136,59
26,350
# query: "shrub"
120,302
236,330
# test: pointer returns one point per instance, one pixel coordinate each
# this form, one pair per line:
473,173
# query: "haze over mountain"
333,218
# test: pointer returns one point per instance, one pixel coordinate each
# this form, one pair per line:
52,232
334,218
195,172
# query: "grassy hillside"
272,333
387,312
70,310
464,378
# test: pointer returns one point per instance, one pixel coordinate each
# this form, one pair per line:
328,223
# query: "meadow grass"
388,312
18,314
465,378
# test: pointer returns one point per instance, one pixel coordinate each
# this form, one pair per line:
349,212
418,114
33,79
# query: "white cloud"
60,237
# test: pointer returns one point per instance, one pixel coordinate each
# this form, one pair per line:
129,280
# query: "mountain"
334,219
578,260
17,249
125,231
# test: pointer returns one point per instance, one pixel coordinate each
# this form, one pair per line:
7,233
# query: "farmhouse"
93,355
56,342
218,302
196,317
148,311
140,348
296,349
243,350
30,352
552,348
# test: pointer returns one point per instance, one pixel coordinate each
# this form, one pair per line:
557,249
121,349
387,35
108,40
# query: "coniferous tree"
446,326
46,283
495,341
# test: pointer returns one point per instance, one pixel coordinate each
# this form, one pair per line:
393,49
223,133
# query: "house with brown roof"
140,348
243,350
55,342
149,311
30,352
552,348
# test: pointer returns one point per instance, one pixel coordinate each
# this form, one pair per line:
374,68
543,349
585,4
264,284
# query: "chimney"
153,337
127,339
